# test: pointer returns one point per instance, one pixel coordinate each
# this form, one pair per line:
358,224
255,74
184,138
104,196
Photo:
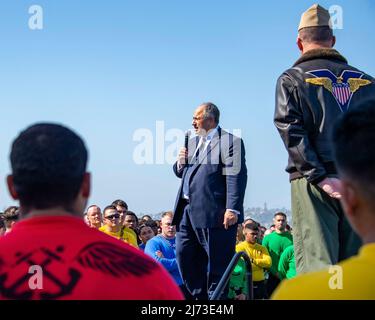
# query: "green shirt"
287,264
237,282
276,243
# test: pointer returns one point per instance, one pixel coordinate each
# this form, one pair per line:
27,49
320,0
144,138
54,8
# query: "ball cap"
315,16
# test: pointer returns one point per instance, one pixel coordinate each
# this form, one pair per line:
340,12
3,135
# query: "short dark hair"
110,207
10,214
131,213
146,216
252,226
211,110
2,225
48,165
353,140
251,221
316,34
279,213
151,223
120,203
11,211
143,226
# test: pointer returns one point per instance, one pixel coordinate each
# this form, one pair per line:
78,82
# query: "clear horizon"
108,70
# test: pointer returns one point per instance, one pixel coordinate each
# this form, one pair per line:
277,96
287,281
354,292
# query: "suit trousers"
203,254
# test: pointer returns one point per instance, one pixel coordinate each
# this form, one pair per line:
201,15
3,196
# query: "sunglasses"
113,216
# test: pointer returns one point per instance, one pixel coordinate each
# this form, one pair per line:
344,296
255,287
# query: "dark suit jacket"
218,182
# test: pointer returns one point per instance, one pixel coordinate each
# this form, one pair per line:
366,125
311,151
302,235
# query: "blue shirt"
168,249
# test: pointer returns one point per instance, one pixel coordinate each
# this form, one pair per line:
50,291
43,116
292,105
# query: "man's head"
10,217
167,229
249,220
153,225
2,224
131,220
353,142
279,220
145,233
94,216
146,217
111,218
251,233
48,164
315,30
262,231
205,118
121,207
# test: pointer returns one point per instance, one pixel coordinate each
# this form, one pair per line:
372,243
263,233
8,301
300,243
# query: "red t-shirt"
72,261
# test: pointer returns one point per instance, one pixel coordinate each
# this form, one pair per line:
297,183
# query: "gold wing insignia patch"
342,87
323,81
355,84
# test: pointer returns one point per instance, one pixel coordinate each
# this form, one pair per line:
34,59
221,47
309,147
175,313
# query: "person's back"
76,263
342,86
353,143
51,253
287,264
238,286
310,97
351,279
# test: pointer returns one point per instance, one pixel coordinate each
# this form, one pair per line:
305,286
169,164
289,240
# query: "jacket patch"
342,87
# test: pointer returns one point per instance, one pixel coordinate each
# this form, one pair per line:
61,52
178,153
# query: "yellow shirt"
260,256
128,235
351,279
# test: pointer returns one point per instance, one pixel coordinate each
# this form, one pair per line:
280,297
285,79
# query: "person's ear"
11,187
300,44
86,185
349,199
333,41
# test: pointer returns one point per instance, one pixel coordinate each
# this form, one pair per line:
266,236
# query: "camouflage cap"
315,16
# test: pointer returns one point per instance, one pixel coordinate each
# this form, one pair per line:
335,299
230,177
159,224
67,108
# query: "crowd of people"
270,250
185,254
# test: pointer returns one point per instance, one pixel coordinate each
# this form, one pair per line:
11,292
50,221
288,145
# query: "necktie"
200,148
199,153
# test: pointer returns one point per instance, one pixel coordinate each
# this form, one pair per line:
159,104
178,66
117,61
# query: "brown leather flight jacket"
310,96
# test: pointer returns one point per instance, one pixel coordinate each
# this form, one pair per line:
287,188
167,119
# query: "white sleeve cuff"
235,211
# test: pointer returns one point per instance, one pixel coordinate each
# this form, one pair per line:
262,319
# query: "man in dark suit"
209,202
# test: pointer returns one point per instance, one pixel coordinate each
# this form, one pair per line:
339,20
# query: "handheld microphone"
187,136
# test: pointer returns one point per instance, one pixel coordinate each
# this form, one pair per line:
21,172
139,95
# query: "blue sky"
108,68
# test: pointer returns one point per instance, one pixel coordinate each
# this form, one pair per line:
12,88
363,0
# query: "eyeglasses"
113,216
